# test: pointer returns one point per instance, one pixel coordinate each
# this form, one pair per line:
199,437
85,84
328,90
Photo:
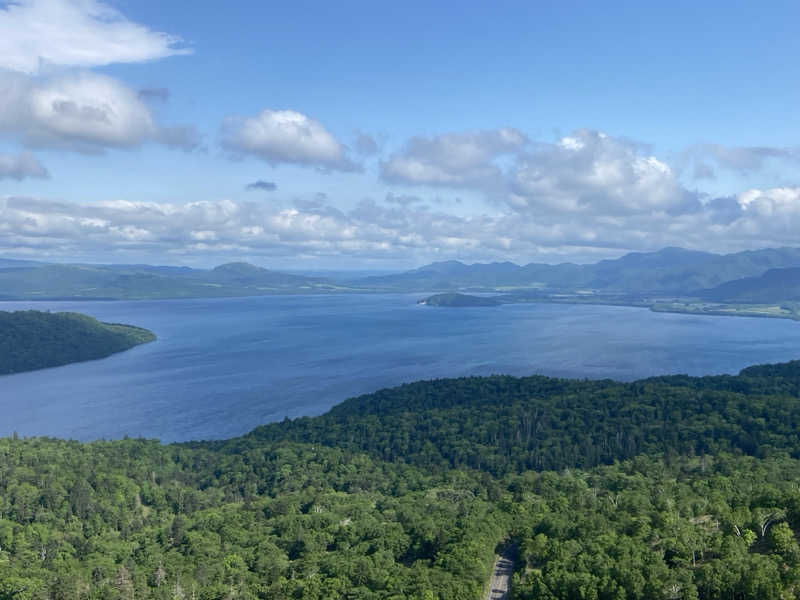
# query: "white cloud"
84,112
781,202
400,232
585,196
50,101
21,166
585,172
89,109
591,172
75,33
452,159
134,230
285,136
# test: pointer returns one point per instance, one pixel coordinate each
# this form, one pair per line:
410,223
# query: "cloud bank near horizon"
394,232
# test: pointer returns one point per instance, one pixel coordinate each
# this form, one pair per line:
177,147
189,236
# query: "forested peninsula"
664,488
32,339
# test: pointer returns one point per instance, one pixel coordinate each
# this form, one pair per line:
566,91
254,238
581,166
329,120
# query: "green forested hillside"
776,285
672,487
502,424
35,340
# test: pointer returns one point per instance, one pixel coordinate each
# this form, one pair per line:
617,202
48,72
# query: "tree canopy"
33,339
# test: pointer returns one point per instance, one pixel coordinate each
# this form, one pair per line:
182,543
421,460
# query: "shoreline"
717,309
758,311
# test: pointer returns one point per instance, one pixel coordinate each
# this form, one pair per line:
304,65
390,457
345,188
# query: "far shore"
775,310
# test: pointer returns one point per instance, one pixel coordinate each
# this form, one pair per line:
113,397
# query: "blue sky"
395,134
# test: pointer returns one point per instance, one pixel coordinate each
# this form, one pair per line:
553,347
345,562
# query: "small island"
32,339
460,300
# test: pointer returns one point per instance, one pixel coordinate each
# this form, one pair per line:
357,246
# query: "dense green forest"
666,488
504,424
34,339
134,519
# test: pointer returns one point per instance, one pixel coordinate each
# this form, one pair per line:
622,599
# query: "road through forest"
500,583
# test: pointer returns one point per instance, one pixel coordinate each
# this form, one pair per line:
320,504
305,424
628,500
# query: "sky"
376,135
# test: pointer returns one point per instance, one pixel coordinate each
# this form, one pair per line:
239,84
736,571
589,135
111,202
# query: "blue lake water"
223,366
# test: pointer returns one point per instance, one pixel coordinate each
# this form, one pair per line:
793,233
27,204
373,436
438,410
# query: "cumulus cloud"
775,202
453,159
225,228
49,100
584,196
285,136
586,172
83,112
399,231
21,166
591,172
754,218
75,33
264,186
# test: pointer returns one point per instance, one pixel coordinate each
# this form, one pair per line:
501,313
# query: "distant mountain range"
773,286
758,276
668,271
135,282
10,263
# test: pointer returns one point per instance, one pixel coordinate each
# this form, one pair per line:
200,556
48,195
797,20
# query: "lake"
223,366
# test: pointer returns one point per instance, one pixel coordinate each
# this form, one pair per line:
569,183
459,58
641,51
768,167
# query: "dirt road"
501,575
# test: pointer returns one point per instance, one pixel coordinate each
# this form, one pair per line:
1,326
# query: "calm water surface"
221,367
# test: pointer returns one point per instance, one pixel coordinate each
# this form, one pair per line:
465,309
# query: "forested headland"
668,488
33,339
